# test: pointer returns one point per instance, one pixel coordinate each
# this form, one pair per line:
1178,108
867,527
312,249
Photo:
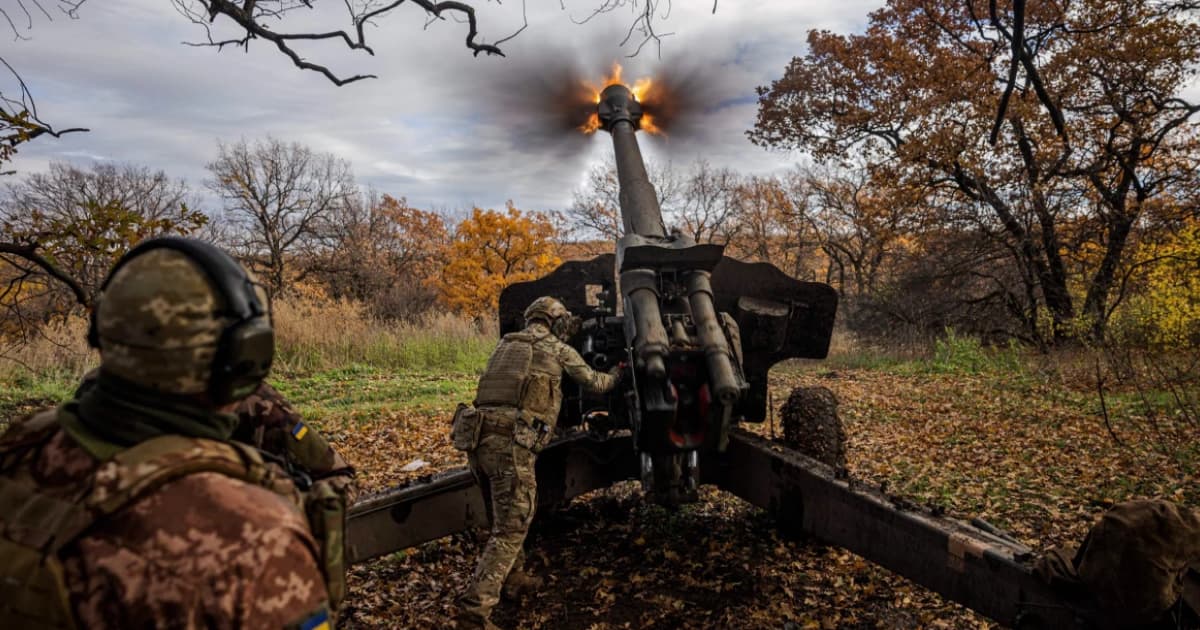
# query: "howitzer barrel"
725,382
621,114
641,215
640,211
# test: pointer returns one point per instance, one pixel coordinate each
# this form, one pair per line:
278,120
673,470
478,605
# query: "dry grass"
57,350
311,336
315,335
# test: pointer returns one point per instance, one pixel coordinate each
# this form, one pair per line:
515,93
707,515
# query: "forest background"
1010,216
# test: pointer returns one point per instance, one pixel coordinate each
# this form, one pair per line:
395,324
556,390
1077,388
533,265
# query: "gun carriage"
700,331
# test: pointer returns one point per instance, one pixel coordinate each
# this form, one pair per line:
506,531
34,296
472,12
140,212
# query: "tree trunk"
1095,305
1052,280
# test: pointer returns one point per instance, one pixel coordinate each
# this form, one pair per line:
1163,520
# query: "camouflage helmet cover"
546,308
562,323
158,323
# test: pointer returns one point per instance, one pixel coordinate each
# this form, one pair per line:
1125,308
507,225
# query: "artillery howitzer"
700,332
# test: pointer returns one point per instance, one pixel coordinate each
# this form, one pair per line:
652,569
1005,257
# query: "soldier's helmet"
560,320
164,322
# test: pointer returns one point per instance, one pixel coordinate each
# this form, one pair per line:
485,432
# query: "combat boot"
520,583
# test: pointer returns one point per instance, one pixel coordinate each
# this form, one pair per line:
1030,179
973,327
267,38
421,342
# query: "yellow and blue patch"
300,430
319,621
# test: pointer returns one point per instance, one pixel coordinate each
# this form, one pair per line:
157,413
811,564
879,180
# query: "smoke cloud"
545,101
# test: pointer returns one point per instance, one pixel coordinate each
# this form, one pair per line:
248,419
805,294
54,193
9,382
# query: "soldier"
267,421
129,506
516,407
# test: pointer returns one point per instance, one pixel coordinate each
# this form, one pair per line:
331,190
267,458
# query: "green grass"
951,354
365,389
956,354
26,393
420,353
330,374
343,397
866,359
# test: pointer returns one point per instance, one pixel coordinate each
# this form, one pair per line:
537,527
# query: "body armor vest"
523,373
33,593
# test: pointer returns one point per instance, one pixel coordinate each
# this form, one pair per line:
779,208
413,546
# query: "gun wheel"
811,426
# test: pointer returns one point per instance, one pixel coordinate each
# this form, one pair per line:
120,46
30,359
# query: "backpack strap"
147,466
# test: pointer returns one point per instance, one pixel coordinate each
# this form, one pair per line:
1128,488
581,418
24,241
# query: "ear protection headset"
247,346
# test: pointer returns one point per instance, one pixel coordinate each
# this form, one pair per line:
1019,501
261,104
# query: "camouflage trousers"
505,472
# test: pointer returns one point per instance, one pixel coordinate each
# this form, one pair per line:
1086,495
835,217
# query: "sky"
440,127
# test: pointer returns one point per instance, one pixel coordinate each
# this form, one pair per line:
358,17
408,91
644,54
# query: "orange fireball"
640,89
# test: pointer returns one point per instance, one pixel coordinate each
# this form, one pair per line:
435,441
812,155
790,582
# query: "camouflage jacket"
203,551
530,379
268,421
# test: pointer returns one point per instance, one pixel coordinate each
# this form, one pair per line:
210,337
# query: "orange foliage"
771,228
417,237
492,250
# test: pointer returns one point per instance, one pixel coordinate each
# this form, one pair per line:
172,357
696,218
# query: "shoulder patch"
299,431
316,621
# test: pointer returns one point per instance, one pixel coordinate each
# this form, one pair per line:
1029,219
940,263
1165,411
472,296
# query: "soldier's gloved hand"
619,370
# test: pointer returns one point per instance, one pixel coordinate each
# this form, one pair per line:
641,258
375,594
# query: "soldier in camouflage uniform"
516,407
267,421
129,507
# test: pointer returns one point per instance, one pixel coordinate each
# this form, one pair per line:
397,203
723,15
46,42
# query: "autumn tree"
774,227
386,254
596,209
491,250
860,221
919,90
1165,313
62,230
709,210
278,199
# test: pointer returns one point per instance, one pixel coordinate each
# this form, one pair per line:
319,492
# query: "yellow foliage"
492,250
1167,311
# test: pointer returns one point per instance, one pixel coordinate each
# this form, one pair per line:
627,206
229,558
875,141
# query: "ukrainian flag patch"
319,621
299,431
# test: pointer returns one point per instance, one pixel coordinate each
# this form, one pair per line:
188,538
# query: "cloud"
440,127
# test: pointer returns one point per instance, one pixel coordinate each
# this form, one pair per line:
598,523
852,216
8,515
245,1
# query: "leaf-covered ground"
1023,451
1024,446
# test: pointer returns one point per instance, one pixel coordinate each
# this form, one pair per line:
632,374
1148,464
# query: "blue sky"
437,127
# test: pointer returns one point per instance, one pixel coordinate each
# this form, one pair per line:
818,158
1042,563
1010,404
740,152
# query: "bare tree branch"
29,252
645,13
1023,57
1018,43
68,8
19,121
524,25
254,18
